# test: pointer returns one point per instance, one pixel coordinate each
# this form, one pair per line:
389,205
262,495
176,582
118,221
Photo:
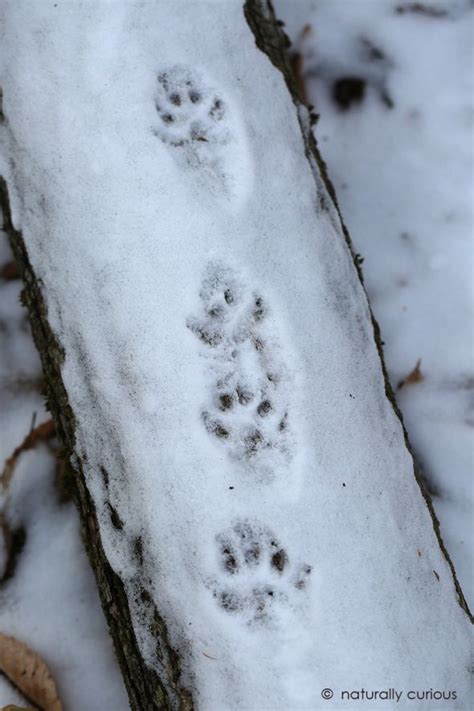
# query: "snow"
403,177
176,271
50,602
74,622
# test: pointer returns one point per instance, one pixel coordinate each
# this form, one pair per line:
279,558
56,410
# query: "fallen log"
215,376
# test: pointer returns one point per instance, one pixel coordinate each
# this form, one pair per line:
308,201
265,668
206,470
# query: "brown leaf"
9,271
415,376
43,432
297,64
28,673
13,541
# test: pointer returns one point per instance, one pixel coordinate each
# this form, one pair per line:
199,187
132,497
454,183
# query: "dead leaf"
28,673
415,376
13,540
9,271
422,9
297,64
43,432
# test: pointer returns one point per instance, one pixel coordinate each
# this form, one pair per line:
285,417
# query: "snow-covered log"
247,496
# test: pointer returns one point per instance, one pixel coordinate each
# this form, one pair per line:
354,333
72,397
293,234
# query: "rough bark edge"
271,39
146,690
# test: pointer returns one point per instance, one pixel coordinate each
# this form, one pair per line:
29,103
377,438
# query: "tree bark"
272,40
146,688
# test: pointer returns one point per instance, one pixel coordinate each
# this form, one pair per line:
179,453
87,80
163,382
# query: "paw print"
247,410
190,113
256,575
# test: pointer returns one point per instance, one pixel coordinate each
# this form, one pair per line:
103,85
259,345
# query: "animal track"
204,132
248,407
256,574
190,113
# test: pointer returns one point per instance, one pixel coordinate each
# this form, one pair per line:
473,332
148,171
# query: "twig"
41,433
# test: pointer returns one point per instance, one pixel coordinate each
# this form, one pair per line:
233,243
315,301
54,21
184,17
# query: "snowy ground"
419,289
49,600
401,161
